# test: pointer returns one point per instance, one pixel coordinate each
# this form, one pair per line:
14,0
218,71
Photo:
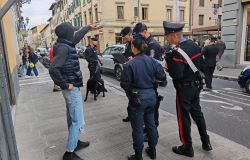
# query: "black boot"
206,145
81,145
151,152
136,156
126,119
184,150
71,156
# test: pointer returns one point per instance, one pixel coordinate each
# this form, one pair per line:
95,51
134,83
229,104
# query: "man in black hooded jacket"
65,72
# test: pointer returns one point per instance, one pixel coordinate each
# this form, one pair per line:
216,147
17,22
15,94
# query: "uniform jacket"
154,48
178,67
141,73
210,52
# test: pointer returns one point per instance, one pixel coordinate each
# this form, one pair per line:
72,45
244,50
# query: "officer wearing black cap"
92,59
210,53
187,88
127,37
154,48
137,80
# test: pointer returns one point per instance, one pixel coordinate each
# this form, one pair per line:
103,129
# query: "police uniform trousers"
188,103
209,71
143,115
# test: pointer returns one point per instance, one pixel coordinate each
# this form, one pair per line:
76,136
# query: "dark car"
244,79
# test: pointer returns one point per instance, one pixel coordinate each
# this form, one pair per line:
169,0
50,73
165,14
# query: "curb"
224,77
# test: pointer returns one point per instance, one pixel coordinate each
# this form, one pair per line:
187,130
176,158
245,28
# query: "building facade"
205,18
236,33
113,15
9,86
36,35
46,39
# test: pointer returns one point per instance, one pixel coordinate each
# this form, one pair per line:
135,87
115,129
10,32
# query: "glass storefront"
247,51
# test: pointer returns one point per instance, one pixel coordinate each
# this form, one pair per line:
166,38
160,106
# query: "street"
226,108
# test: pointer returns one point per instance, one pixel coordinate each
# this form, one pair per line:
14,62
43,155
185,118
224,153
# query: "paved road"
226,108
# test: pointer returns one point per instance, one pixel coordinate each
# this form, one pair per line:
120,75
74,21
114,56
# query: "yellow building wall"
10,37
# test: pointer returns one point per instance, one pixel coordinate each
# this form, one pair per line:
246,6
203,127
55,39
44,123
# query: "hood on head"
65,31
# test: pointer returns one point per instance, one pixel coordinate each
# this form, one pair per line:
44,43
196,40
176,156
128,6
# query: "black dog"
95,87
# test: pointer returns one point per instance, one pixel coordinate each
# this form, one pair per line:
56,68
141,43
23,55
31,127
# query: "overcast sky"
37,11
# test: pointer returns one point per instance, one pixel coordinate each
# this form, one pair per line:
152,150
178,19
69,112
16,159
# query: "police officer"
127,37
154,48
92,59
187,88
156,51
137,80
210,53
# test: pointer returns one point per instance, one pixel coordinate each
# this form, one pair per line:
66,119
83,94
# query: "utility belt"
197,83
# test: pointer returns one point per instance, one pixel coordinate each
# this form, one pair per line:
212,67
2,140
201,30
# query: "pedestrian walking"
127,37
210,52
24,65
33,59
93,60
222,46
65,72
188,86
137,80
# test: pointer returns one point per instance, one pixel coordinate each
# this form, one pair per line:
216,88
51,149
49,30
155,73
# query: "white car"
107,59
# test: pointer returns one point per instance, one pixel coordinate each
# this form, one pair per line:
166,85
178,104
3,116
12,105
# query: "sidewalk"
228,73
41,129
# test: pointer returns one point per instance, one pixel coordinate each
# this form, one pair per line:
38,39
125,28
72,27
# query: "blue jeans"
75,118
143,114
34,70
23,68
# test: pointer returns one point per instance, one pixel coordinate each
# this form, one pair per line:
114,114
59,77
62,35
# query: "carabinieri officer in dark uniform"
137,80
127,37
154,49
92,59
187,88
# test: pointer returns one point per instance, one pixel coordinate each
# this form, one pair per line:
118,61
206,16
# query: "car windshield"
119,50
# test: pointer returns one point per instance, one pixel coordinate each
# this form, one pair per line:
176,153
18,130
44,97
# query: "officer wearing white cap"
92,59
187,88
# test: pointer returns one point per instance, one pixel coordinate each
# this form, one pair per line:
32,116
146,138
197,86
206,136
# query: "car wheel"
247,86
118,73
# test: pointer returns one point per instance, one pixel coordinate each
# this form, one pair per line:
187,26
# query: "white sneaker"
37,76
27,77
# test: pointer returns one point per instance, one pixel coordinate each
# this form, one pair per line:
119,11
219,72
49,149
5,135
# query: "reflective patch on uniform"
152,52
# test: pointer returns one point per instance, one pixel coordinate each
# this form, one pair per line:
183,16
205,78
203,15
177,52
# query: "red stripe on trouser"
179,119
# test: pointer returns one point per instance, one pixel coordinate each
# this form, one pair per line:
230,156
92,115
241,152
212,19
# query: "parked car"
107,59
244,79
41,52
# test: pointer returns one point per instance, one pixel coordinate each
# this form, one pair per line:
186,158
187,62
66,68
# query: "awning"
6,7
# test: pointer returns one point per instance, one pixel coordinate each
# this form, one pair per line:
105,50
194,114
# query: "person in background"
137,80
24,65
222,46
210,52
33,59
